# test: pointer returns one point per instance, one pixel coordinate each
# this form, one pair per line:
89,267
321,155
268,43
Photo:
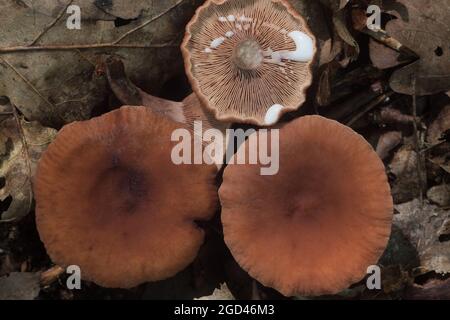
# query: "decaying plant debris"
391,85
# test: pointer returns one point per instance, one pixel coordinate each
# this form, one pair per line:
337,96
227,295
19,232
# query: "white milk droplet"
229,34
223,19
231,18
208,50
217,42
304,51
305,47
243,18
273,114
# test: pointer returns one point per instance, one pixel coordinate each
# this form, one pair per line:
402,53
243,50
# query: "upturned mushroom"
316,226
110,200
187,112
249,61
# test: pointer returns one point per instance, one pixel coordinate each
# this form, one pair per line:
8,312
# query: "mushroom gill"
249,61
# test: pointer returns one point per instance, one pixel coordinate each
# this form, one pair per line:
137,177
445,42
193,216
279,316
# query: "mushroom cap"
273,43
316,226
110,200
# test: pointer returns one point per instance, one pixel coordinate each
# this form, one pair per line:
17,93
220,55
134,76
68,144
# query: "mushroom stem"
248,55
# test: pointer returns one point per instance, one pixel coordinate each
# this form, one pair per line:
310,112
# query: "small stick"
384,38
369,107
82,46
418,146
51,24
148,21
51,275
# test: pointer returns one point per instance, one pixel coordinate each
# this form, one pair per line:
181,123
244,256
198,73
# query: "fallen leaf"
432,290
388,142
424,224
52,8
21,145
439,126
440,195
59,87
123,8
383,57
403,166
426,31
20,286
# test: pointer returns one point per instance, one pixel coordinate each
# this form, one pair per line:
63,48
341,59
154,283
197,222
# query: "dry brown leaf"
432,290
426,32
124,9
403,166
21,145
440,195
439,126
59,87
425,226
388,142
20,286
381,56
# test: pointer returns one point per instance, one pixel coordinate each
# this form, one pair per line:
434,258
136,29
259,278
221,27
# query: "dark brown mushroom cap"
239,57
316,226
110,200
189,111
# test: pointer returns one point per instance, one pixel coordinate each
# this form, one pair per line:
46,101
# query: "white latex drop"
217,42
243,18
231,18
273,114
229,34
305,48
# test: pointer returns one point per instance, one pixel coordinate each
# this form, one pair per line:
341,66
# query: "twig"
110,45
148,21
51,24
82,46
369,107
433,146
51,275
384,38
418,145
25,151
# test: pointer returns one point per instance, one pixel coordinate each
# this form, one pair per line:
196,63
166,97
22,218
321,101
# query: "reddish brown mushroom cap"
110,200
249,61
316,226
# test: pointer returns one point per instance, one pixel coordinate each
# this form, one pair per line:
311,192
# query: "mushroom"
316,226
110,200
249,61
188,112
